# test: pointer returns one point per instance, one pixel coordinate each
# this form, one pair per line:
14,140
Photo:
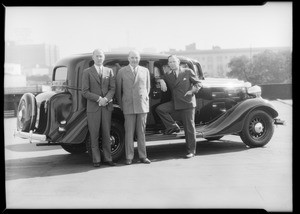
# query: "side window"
59,79
144,63
196,71
199,71
114,65
186,64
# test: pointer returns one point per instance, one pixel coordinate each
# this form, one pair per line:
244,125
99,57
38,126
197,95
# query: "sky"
158,28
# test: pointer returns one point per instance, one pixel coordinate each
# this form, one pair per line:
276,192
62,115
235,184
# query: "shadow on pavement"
63,164
178,151
30,147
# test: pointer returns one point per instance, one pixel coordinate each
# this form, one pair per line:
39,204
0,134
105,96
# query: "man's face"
98,57
173,62
134,59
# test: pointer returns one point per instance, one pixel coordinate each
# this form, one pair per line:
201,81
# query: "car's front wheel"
117,136
258,129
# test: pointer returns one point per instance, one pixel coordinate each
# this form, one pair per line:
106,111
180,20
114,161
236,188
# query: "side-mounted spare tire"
258,129
26,113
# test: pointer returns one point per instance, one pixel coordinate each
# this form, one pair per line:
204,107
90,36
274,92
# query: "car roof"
113,55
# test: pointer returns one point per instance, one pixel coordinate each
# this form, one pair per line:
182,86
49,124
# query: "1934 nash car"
224,107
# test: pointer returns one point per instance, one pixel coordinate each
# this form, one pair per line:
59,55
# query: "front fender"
232,120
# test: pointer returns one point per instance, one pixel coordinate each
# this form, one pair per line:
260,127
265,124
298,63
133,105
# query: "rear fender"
59,109
77,128
232,120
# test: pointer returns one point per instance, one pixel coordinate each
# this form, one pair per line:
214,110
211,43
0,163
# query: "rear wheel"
117,136
258,129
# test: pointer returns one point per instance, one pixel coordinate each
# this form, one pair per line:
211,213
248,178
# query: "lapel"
138,70
171,79
104,74
129,73
180,76
95,74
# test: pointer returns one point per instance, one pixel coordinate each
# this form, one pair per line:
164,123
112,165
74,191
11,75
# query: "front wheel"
258,129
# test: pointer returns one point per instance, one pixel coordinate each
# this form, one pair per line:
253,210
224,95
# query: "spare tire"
26,114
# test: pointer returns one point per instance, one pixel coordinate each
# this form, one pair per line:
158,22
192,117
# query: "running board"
157,137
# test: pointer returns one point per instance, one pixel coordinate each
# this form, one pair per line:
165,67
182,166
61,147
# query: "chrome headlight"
254,90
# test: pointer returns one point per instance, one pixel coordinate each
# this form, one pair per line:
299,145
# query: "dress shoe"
128,162
110,163
190,155
145,160
96,164
171,131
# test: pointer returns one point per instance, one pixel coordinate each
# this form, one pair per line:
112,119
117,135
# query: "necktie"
174,72
100,73
134,71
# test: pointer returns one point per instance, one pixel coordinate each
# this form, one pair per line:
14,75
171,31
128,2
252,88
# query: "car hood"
223,83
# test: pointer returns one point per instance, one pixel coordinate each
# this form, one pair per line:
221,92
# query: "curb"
285,102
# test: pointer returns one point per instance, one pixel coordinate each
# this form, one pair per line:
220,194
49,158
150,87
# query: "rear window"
59,79
60,74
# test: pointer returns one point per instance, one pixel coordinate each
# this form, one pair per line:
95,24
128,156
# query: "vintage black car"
224,106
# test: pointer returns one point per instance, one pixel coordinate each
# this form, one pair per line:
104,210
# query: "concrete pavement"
223,174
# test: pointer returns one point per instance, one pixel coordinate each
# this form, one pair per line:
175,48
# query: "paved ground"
223,174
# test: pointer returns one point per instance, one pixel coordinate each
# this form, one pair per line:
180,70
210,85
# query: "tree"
239,68
264,68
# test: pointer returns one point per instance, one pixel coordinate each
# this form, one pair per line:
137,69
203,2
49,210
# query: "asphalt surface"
223,174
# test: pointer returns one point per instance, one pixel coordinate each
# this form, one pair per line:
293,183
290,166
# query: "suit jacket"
133,91
93,87
179,86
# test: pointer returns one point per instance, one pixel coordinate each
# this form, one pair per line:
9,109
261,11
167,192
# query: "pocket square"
184,78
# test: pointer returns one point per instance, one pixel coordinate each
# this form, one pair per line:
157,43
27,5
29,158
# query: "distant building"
214,62
13,76
191,47
32,57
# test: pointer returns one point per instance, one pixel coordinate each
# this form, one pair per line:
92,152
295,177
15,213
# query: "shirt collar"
98,67
132,67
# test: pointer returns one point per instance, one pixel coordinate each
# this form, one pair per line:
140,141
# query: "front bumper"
278,121
30,136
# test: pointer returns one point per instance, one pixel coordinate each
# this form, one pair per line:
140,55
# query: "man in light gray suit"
133,87
98,87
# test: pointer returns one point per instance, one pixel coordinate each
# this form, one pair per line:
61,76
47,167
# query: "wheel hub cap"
258,128
20,115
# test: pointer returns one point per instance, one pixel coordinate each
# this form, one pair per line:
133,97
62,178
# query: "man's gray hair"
99,50
134,51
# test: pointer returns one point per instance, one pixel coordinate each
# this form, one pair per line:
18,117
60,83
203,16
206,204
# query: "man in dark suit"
98,87
183,84
133,88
